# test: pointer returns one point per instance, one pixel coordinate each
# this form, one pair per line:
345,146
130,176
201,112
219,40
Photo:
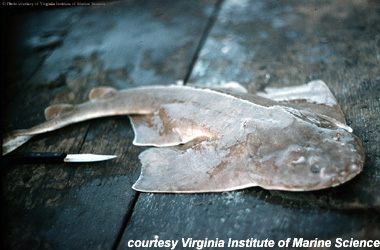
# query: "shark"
222,139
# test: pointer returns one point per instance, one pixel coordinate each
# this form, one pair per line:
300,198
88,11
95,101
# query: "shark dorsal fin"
102,93
57,110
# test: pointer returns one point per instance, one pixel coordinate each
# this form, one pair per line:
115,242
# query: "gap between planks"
205,34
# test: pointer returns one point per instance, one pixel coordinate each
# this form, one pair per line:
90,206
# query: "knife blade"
54,157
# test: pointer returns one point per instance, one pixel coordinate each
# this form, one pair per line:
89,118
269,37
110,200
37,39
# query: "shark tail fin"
14,140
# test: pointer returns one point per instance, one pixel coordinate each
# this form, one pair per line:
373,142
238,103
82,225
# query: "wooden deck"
56,55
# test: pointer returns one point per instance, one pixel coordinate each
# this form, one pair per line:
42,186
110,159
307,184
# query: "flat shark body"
216,140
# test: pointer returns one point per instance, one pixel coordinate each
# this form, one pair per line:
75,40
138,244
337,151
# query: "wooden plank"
293,43
26,45
243,215
122,44
272,43
73,205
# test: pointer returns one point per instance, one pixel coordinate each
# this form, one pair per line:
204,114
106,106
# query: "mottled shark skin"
216,140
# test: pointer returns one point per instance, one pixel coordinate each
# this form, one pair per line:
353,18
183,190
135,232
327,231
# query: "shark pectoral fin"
315,92
198,169
57,110
102,93
314,96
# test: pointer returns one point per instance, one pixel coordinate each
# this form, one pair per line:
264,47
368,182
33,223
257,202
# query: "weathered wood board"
292,43
272,43
60,54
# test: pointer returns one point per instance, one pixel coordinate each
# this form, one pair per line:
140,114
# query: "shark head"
309,154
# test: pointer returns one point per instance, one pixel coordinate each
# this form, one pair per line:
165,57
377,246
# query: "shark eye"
315,169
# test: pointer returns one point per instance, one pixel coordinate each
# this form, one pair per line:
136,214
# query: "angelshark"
215,140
